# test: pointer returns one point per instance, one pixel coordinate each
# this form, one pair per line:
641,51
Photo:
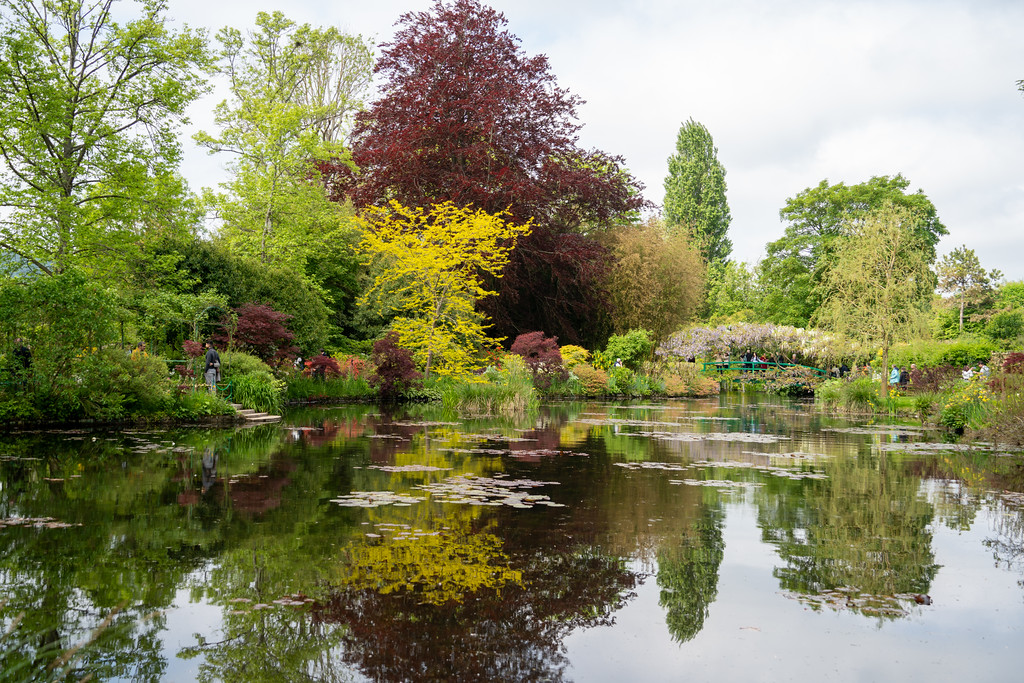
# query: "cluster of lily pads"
372,499
648,465
845,597
494,491
717,483
402,532
407,468
729,464
467,489
784,472
297,600
36,522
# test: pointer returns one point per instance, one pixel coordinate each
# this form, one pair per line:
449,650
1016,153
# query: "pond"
733,539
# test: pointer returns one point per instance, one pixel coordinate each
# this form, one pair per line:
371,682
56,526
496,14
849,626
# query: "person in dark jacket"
211,370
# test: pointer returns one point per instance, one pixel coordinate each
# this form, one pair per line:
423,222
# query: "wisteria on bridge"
727,341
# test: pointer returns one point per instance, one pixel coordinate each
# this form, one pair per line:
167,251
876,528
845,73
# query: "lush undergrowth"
988,405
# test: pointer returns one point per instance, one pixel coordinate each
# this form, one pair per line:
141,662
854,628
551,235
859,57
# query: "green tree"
656,280
90,102
431,264
733,294
695,191
293,92
960,274
879,285
796,264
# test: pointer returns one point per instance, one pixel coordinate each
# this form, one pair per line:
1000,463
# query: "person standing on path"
212,368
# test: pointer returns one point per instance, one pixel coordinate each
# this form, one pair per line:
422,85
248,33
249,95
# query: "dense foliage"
501,138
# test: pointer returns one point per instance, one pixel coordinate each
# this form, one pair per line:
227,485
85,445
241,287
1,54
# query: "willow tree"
879,286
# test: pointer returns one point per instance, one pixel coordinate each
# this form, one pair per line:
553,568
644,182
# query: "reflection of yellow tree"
864,530
439,566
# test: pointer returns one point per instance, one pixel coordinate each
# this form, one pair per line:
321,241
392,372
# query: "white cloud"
793,92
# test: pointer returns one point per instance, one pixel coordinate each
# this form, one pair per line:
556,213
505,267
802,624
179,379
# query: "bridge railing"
754,366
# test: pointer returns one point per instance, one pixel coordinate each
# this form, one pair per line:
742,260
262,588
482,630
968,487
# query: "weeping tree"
879,287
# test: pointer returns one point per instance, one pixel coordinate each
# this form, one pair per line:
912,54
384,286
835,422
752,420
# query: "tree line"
355,216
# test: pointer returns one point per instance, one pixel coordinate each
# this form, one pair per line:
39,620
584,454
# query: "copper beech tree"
466,117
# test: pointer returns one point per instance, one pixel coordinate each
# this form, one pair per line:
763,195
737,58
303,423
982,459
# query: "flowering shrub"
574,355
966,405
352,367
729,340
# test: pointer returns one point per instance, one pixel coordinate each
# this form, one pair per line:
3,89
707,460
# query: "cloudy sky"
793,92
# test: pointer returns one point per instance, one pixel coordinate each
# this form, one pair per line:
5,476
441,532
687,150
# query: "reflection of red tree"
543,439
250,494
255,494
515,634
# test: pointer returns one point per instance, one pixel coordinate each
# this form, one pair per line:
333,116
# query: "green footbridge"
722,367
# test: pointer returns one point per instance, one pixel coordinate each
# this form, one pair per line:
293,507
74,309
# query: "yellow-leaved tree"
430,264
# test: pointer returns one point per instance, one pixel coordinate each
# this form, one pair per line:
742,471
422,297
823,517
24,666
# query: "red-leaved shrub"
193,349
542,356
323,366
1014,363
394,371
261,331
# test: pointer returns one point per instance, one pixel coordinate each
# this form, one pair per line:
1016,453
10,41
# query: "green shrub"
506,390
236,363
966,405
925,404
928,354
633,348
593,382
1005,326
192,405
302,388
830,393
860,393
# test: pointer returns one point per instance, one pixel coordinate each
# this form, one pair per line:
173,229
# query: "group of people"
900,376
751,361
971,370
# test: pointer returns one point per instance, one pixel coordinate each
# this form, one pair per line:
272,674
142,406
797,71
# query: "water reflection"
351,542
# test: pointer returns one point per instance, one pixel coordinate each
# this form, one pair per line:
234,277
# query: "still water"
736,539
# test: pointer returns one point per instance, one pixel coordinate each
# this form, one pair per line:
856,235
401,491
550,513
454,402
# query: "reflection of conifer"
688,575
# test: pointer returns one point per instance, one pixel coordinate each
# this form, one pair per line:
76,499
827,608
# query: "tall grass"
258,391
502,391
301,388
